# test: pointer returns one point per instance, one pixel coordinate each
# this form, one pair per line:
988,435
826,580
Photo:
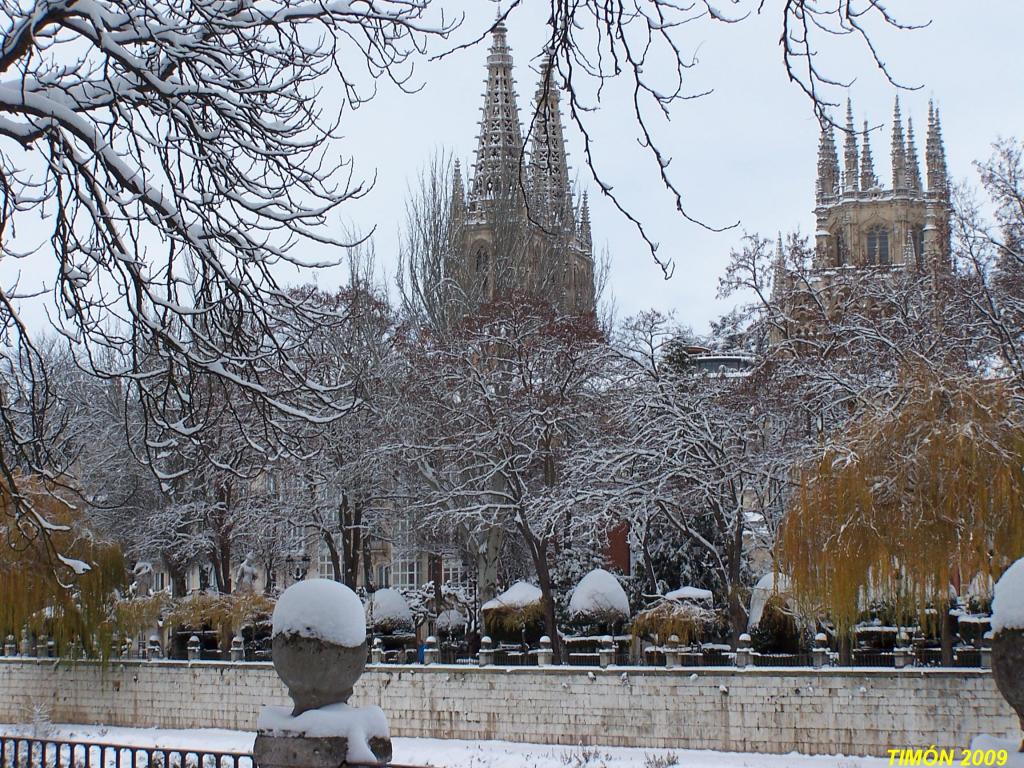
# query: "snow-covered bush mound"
599,595
1008,599
388,611
450,620
519,595
321,609
690,593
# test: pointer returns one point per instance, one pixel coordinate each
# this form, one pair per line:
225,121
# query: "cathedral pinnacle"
935,154
868,180
586,240
899,151
913,168
851,172
828,165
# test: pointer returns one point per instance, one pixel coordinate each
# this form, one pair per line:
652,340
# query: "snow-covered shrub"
388,612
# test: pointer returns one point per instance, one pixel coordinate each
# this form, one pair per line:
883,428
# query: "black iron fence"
28,752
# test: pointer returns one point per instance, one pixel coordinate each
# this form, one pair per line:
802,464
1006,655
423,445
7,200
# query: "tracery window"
878,247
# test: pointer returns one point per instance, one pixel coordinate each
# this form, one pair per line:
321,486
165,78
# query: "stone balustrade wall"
828,711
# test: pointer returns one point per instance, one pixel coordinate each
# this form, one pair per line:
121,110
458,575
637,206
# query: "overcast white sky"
745,153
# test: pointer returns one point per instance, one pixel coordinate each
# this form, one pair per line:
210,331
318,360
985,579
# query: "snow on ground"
454,753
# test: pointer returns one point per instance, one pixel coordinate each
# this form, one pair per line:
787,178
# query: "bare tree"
176,154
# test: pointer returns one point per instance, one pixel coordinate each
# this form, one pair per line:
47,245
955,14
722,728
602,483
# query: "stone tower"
517,229
861,224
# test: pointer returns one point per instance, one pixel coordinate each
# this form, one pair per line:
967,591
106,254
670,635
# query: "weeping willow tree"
62,584
921,495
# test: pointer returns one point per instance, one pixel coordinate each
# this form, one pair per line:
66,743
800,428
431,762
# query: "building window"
296,538
159,581
878,247
405,572
383,576
324,565
454,572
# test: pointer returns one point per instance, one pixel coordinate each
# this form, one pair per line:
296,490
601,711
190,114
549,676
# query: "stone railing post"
606,652
237,648
545,655
819,653
486,651
153,650
194,648
986,650
42,648
27,649
10,647
903,655
431,653
377,651
672,652
743,652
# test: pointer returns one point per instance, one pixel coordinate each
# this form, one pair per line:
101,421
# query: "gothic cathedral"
519,229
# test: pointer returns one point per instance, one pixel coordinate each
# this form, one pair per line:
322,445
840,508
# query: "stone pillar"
903,655
986,650
545,655
42,648
431,653
27,648
672,652
194,648
237,648
743,652
486,651
606,652
10,647
819,653
377,651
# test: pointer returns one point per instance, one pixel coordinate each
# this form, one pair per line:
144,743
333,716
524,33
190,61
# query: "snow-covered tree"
494,411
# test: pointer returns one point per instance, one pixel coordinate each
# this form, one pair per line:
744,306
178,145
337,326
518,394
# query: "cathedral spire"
828,165
458,203
913,167
899,151
868,180
586,239
851,172
550,200
500,144
935,154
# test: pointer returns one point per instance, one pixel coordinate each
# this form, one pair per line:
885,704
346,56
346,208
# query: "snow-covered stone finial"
1008,637
319,647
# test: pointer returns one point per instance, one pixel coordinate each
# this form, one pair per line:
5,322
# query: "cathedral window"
878,247
918,237
842,254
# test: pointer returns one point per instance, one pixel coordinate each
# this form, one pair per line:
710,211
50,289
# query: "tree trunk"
332,551
947,631
845,649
